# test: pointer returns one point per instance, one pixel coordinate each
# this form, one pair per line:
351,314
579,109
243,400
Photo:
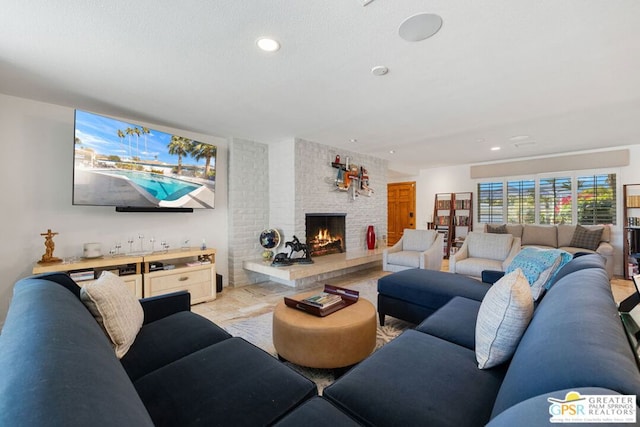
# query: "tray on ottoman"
348,296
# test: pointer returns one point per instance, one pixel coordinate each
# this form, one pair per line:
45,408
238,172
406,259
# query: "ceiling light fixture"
420,27
353,140
495,148
379,70
392,151
267,44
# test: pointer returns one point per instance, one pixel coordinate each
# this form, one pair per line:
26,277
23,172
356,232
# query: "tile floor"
234,304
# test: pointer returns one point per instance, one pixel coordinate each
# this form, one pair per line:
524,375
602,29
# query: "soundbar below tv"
143,209
130,166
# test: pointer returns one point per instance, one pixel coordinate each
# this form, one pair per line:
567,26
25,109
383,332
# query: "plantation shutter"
490,204
521,199
597,199
555,201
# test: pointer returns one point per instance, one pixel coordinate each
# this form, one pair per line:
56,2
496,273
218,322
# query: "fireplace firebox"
325,233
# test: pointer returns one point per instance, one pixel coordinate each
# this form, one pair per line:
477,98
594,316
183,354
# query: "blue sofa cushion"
430,288
58,367
454,322
576,264
229,383
578,309
317,412
418,379
169,339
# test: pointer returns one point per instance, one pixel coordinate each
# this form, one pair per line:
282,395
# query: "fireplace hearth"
325,233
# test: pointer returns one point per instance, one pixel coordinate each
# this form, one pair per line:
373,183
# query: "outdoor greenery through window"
588,199
521,202
555,201
597,199
490,202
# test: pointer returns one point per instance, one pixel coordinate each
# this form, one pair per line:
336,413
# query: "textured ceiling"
565,73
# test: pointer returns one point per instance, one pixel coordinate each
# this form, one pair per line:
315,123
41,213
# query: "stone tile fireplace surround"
276,185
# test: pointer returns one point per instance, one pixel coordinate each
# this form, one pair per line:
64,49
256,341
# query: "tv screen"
122,164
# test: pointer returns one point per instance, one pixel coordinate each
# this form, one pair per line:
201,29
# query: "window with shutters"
555,201
521,201
490,202
581,199
597,199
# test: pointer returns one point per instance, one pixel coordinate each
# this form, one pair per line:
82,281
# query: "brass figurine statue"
50,246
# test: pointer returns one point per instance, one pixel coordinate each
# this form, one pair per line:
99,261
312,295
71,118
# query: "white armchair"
415,249
484,251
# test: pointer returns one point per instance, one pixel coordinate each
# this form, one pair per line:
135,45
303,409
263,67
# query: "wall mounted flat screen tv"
133,167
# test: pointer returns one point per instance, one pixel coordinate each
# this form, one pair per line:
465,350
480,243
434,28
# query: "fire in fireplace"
325,233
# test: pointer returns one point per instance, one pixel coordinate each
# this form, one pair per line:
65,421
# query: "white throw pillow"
115,308
505,313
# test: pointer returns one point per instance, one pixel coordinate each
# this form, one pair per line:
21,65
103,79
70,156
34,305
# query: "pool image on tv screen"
127,165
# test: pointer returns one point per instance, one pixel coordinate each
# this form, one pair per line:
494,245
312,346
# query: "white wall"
35,195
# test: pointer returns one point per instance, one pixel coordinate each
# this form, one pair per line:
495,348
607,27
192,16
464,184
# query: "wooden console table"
181,270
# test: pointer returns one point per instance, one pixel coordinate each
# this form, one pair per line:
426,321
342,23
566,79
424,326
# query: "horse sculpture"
296,246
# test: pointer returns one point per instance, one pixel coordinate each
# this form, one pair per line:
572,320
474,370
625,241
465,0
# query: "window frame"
572,175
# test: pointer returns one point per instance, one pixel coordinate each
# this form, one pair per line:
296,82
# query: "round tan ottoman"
338,340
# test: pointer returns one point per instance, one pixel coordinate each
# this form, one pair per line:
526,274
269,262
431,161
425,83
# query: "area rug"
257,331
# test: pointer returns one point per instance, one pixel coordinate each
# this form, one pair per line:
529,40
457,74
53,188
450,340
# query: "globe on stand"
269,240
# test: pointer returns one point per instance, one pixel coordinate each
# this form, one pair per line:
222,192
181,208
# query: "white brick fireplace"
275,185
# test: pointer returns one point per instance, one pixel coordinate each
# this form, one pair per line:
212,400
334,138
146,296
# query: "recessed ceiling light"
519,138
352,140
267,44
392,151
379,70
495,148
419,27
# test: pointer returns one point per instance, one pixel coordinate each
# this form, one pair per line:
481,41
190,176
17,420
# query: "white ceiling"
564,72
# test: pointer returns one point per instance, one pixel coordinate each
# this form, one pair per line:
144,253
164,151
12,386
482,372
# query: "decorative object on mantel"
297,246
283,259
269,240
371,237
48,257
352,178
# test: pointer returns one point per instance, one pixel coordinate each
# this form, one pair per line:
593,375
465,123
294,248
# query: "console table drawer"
179,279
197,281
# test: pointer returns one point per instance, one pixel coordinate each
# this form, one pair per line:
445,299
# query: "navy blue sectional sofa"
57,367
430,377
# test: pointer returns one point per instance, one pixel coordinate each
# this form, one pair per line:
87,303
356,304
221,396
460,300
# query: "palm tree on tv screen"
145,131
137,132
206,151
129,131
179,146
120,136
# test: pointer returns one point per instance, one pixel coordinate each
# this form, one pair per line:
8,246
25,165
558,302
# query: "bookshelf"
631,222
442,219
462,219
453,217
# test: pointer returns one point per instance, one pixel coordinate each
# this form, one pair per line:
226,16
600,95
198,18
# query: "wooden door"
401,209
